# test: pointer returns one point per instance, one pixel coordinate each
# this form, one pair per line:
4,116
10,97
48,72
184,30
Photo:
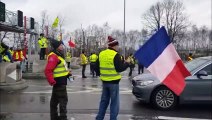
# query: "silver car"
147,88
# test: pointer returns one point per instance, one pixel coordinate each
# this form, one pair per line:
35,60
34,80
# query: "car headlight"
144,83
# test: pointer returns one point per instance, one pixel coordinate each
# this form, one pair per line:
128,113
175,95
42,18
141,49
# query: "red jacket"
51,65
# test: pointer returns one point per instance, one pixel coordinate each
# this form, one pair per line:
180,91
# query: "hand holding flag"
159,56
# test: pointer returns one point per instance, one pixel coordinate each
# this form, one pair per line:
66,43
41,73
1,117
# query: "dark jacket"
5,48
120,66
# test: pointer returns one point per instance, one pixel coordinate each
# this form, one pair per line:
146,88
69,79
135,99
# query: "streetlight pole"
83,37
124,28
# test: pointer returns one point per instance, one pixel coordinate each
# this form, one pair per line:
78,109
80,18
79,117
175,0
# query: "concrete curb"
13,86
33,76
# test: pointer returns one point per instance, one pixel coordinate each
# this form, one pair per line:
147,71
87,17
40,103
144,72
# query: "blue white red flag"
159,56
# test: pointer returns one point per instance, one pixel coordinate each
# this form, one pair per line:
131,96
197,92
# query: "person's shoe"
84,77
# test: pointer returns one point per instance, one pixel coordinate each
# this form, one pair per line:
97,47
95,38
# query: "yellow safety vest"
84,59
42,42
11,52
61,69
190,58
107,68
17,57
68,56
93,58
131,60
6,58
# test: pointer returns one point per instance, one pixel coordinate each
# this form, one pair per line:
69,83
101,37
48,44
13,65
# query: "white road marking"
12,75
179,118
87,90
72,118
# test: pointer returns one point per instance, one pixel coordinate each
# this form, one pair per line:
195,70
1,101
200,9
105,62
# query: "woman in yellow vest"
84,62
57,74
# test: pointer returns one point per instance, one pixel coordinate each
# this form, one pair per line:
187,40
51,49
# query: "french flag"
159,56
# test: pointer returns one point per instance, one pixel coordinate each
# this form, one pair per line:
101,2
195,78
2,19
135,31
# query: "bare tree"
169,13
152,18
176,20
44,20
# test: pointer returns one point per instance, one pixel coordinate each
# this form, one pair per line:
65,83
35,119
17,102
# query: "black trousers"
93,66
83,70
140,69
68,64
59,97
90,69
131,69
42,53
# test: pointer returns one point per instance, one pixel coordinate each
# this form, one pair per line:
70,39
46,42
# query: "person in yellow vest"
57,73
84,62
18,55
109,65
92,60
68,57
4,53
42,41
190,57
132,64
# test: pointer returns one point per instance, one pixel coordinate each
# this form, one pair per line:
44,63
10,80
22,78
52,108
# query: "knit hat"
112,42
55,43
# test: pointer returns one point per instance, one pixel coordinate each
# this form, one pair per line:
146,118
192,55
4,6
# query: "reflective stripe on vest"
6,58
61,69
107,68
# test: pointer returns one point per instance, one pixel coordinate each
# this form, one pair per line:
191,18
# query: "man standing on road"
92,60
140,68
56,72
42,41
108,65
84,62
132,65
68,58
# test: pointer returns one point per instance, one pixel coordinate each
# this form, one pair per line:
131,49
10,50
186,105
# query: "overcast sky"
88,12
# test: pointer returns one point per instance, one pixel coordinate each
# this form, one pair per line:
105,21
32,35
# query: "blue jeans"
110,93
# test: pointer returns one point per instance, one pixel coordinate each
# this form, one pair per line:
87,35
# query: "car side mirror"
202,73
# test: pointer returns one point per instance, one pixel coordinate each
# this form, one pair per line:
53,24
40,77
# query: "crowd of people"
107,65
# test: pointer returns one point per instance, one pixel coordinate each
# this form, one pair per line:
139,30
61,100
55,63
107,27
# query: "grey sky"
88,12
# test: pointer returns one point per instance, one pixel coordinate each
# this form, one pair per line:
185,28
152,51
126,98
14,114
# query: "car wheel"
163,98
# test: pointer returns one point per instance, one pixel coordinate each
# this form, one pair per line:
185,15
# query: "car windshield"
193,64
